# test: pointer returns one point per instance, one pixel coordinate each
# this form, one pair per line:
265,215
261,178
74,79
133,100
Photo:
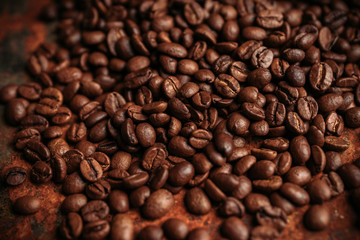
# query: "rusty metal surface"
20,33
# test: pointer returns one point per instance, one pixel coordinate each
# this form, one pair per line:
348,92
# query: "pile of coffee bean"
240,103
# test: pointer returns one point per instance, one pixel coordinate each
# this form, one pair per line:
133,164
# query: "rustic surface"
20,33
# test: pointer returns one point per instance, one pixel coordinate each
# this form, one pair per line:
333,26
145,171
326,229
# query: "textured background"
20,34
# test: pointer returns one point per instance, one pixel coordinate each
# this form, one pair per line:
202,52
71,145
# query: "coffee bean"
94,210
27,205
227,86
138,197
231,207
175,228
16,110
270,19
72,226
96,230
262,57
74,202
234,228
336,143
122,227
73,183
295,193
15,176
255,201
41,172
36,151
299,175
319,191
199,233
151,233
300,150
317,217
321,76
158,204
264,232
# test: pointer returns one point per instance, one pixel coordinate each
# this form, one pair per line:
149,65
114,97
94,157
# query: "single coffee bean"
158,204
27,205
255,201
264,232
295,193
95,210
231,207
319,191
299,175
72,226
234,228
321,76
138,197
15,176
317,217
151,233
199,233
96,230
197,202
74,202
122,227
175,228
41,172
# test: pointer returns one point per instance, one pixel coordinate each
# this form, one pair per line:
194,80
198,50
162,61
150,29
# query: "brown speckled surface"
20,33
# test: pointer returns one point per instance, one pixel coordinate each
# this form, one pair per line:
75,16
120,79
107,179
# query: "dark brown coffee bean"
153,157
272,216
15,176
275,114
264,232
299,175
300,150
262,57
270,19
234,228
307,108
175,228
158,204
336,143
262,169
319,191
231,207
333,161
151,233
94,210
330,102
138,197
30,91
317,217
8,92
350,174
321,76
96,230
41,172
36,151
27,205
227,86
199,233
122,227
179,146
91,169
255,201
295,193
74,202
72,226
16,110
197,202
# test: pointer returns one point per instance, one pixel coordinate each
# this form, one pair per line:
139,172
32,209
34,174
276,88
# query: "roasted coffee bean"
94,210
227,86
136,180
15,176
336,143
153,157
263,153
122,227
321,76
300,150
262,57
179,146
262,169
151,233
275,114
319,191
8,92
234,228
175,228
330,102
36,151
96,230
98,190
270,19
73,183
74,202
281,202
181,174
317,217
138,197
91,169
199,233
72,226
295,193
41,172
16,110
334,181
158,204
299,175
264,232
333,161
118,201
255,201
27,205
350,174
231,207
272,216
